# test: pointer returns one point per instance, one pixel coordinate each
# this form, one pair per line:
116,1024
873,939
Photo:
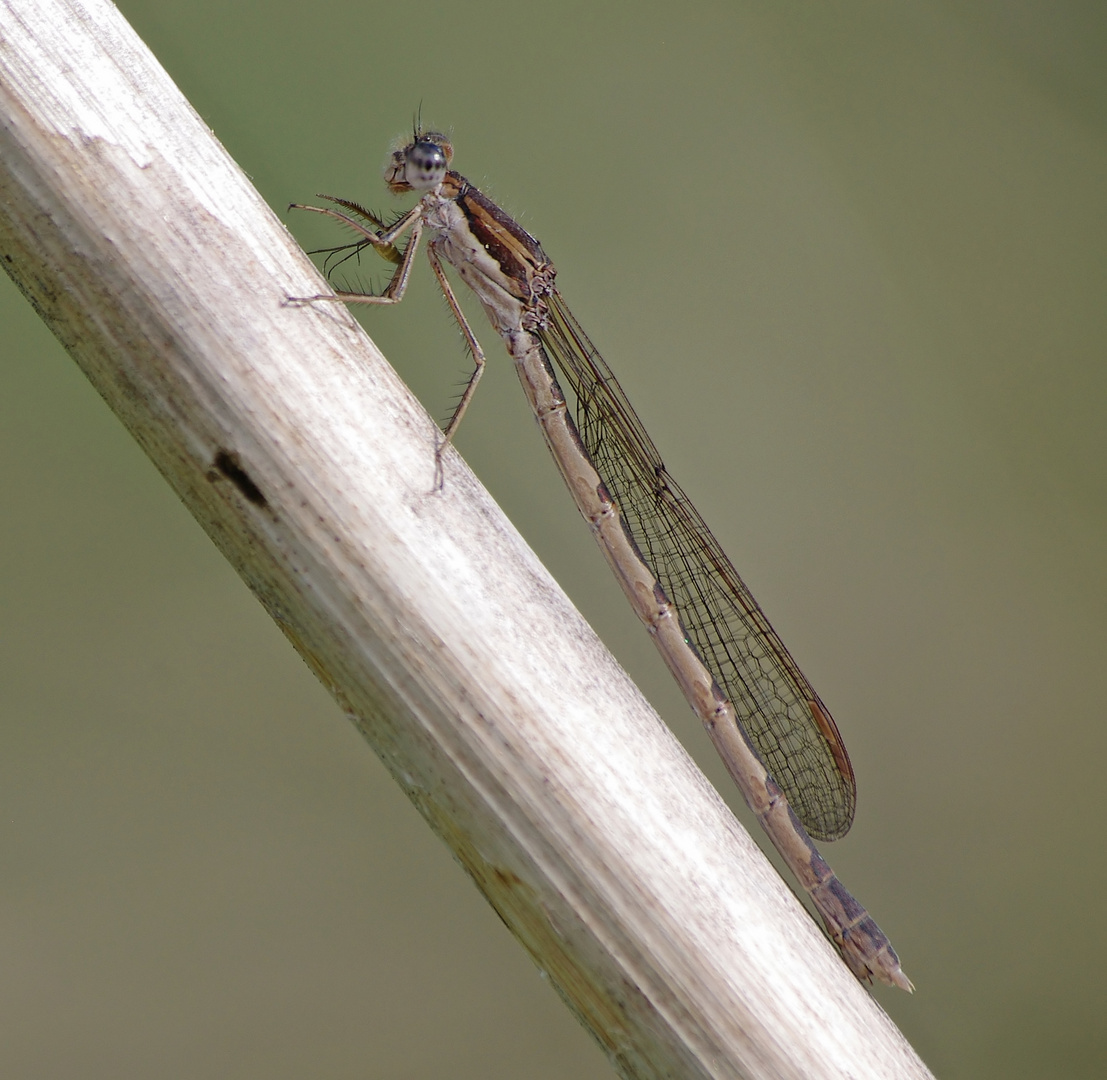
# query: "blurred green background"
848,261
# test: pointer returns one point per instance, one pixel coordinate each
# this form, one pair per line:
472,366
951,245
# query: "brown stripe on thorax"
518,254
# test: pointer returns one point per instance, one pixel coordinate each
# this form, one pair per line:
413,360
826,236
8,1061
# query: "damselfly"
776,737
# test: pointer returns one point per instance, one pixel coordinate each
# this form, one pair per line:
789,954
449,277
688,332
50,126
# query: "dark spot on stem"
228,464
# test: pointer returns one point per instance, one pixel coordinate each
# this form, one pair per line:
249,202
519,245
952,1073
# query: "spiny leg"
394,293
474,347
383,243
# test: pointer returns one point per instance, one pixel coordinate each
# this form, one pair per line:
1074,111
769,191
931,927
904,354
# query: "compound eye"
426,165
